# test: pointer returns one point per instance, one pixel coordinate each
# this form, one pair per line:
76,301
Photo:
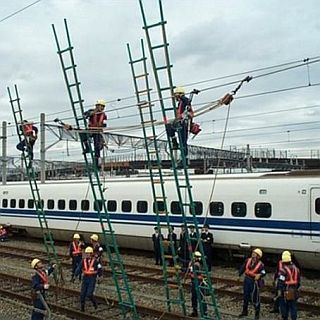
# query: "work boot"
274,311
194,313
82,307
243,314
95,305
257,315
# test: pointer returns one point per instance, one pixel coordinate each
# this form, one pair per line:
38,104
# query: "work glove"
46,286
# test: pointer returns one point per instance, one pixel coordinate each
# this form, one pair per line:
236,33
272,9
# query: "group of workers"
85,267
286,278
287,283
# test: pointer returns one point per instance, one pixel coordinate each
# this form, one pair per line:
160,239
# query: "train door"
315,213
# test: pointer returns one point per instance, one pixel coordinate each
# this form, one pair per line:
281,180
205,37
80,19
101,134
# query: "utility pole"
4,152
248,158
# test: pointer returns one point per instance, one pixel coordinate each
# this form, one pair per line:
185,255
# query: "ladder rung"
138,60
173,286
155,25
165,88
148,121
142,91
168,256
126,304
159,46
76,102
158,181
161,197
146,105
163,67
141,75
70,67
65,50
74,84
168,109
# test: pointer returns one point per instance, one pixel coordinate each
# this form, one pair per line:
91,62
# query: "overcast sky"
208,39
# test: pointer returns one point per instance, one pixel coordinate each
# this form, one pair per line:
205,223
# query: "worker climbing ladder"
37,201
174,291
119,275
164,86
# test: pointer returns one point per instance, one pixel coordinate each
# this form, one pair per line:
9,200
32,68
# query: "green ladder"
174,292
164,85
38,202
120,277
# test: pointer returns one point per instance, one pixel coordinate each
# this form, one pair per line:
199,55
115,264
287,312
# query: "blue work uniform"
75,252
289,279
156,238
90,269
39,279
251,287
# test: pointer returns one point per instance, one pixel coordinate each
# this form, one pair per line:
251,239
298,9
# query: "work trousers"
39,305
208,253
157,255
250,294
172,128
76,260
194,298
87,289
288,307
27,145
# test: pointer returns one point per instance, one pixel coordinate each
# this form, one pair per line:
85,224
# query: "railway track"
146,274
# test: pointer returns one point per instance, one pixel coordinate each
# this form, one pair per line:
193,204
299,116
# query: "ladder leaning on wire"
120,278
38,203
164,86
174,292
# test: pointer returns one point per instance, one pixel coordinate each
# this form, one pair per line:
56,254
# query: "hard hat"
101,102
179,90
286,258
286,253
94,237
34,263
258,252
76,236
1,227
88,250
197,254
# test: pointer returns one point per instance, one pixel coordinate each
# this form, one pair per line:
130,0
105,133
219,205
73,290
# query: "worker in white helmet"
97,121
253,268
40,286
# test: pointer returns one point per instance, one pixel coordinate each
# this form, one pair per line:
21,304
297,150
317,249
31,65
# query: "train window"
216,209
21,203
126,206
85,205
61,204
50,204
239,209
317,205
4,203
72,204
175,207
198,208
30,203
112,205
99,202
13,203
142,206
160,206
262,210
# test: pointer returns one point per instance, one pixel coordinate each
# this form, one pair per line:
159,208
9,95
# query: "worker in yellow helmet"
184,115
97,249
40,286
253,268
90,267
75,253
3,234
97,121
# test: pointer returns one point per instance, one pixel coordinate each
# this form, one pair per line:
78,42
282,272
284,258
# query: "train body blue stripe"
224,224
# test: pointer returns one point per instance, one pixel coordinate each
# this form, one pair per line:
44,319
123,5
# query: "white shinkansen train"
273,211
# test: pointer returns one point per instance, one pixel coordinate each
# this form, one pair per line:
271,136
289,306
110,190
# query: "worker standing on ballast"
97,249
97,121
40,287
90,268
75,253
254,270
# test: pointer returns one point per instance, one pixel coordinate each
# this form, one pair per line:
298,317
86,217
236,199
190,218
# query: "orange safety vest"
193,274
43,276
252,272
180,110
97,119
27,129
88,269
3,232
292,275
76,250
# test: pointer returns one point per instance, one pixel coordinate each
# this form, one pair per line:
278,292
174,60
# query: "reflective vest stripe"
43,276
96,120
76,248
252,272
89,269
27,129
292,275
